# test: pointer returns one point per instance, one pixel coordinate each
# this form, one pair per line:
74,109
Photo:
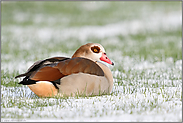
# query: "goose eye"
95,49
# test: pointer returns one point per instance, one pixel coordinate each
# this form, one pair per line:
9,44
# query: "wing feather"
39,64
47,74
55,68
78,64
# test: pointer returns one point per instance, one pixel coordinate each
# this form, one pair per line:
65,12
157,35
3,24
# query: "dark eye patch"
95,49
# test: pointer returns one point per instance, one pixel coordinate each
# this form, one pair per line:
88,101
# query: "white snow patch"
99,108
173,21
93,6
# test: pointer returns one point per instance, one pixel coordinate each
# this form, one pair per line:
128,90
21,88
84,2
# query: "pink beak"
106,59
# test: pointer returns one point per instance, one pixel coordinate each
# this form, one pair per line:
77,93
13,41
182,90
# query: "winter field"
143,39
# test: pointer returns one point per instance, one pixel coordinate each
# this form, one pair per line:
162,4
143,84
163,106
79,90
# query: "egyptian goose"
82,74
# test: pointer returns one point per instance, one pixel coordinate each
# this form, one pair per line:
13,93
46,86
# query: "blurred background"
143,39
151,30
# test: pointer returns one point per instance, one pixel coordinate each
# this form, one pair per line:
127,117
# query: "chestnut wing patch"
78,64
39,64
55,68
47,73
43,71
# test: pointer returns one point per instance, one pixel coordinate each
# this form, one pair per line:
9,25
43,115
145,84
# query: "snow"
108,107
139,102
173,21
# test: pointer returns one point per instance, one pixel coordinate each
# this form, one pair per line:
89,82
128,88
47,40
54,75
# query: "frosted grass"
44,35
119,107
126,103
144,89
124,28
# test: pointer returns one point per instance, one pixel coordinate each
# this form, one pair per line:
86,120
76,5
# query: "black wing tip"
22,82
22,75
26,81
19,76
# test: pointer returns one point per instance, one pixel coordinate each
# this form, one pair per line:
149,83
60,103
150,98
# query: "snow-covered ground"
144,89
126,103
118,107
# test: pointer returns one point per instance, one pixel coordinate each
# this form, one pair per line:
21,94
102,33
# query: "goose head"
94,52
